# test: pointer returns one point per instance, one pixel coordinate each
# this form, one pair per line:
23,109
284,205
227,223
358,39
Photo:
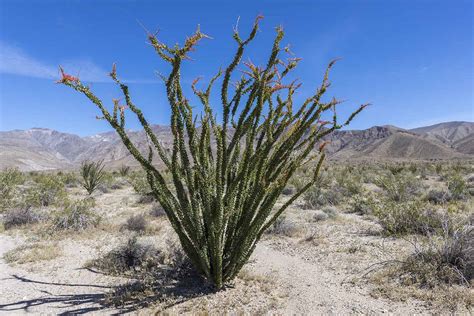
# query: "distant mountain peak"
43,148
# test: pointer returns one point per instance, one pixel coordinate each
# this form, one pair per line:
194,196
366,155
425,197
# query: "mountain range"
46,149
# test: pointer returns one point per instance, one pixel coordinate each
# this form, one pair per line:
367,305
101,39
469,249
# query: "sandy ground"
295,276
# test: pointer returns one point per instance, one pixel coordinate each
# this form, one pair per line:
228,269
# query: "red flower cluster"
66,78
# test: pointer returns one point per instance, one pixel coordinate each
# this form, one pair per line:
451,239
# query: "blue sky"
412,59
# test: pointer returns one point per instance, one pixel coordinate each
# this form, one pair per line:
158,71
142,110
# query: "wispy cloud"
15,61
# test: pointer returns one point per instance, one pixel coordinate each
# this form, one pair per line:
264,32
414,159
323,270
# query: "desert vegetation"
411,245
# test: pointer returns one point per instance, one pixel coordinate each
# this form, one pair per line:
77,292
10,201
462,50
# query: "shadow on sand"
163,289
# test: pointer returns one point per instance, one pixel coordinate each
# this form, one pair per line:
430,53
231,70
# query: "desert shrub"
21,216
318,196
400,187
285,227
457,187
128,258
124,170
10,179
410,217
92,174
438,196
69,179
47,189
319,216
227,175
141,186
76,215
136,223
445,259
157,210
331,212
349,183
363,203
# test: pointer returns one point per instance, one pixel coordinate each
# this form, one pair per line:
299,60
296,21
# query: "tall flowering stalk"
222,196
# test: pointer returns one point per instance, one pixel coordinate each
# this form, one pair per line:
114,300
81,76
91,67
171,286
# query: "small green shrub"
400,187
124,170
458,187
92,175
10,179
410,217
76,216
141,186
47,190
363,204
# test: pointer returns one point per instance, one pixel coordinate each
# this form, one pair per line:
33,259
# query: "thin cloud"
15,61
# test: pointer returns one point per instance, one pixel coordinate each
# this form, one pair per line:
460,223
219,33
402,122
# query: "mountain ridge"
45,149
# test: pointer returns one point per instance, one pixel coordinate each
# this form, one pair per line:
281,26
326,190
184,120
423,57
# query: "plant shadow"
163,288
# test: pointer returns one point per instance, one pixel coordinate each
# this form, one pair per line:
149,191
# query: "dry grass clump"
20,216
32,253
76,216
446,259
439,196
284,227
129,258
136,223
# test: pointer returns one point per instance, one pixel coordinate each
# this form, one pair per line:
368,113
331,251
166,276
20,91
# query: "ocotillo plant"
222,197
92,175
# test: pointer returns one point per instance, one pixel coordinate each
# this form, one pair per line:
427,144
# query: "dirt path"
313,289
61,290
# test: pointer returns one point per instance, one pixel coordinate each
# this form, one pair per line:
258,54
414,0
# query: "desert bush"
46,190
140,185
331,212
92,175
77,215
69,179
318,196
410,217
458,187
128,259
10,179
136,223
21,216
124,170
285,227
349,182
363,204
400,187
438,196
227,175
445,259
